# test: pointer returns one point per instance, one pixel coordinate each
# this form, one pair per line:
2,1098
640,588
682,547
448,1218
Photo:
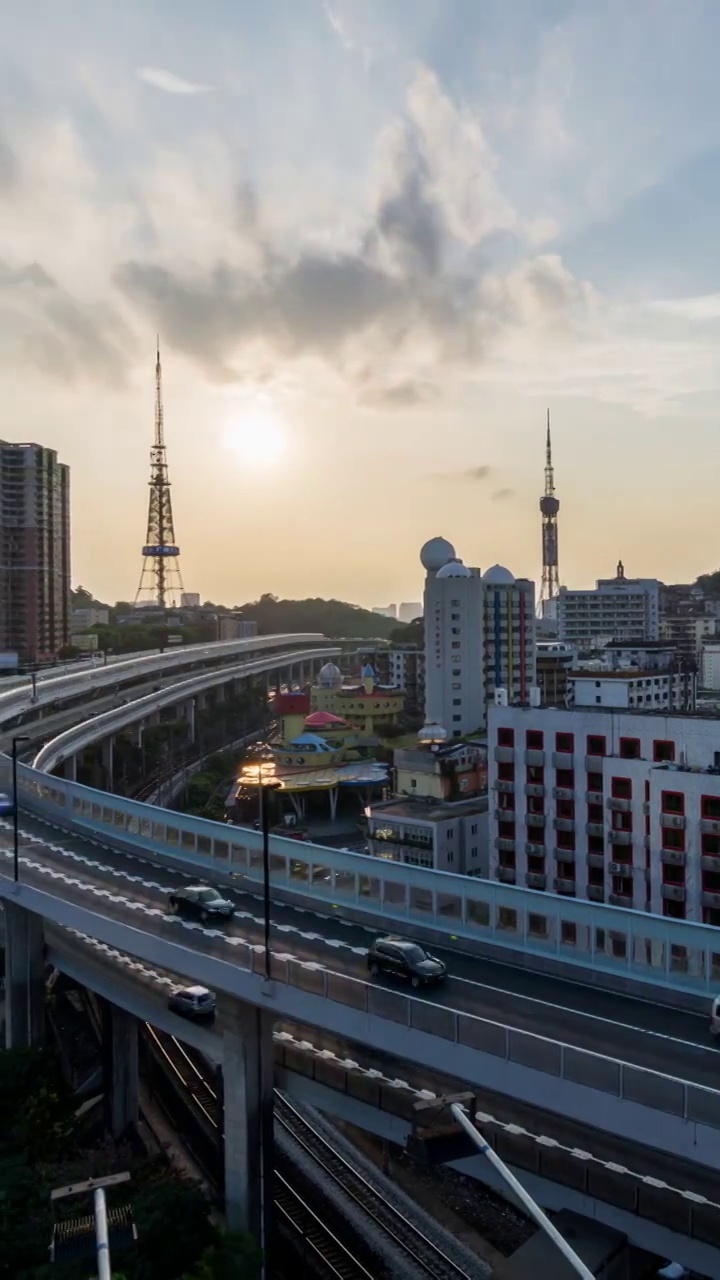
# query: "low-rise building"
621,807
92,616
650,689
710,666
554,660
617,608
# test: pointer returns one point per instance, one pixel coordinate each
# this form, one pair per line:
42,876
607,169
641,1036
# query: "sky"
378,240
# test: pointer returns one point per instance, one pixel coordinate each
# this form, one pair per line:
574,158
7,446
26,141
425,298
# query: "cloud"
403,307
502,495
479,473
32,273
404,395
169,82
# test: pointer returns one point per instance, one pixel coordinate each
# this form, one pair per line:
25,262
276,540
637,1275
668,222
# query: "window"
594,782
663,750
595,745
595,844
568,933
710,807
565,778
506,772
565,808
456,719
565,742
710,845
457,672
673,802
565,839
454,617
596,876
455,644
473,829
455,604
455,631
535,773
457,685
595,813
621,788
534,740
457,702
630,748
506,738
673,839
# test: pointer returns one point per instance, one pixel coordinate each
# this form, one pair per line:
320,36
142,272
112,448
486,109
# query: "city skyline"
369,288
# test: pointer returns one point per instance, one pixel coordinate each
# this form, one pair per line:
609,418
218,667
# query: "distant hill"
331,617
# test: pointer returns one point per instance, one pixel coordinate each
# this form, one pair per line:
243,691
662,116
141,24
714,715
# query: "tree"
233,1256
173,1230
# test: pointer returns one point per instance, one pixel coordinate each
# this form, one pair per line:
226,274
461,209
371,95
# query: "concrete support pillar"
70,769
120,1068
24,978
248,1109
189,714
137,731
108,761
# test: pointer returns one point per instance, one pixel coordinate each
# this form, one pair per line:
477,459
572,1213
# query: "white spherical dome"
329,676
498,576
432,733
454,569
435,553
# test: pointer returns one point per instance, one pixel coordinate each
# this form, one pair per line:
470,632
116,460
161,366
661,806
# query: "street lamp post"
16,832
265,784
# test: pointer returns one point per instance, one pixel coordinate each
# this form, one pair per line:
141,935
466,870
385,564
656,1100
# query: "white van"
715,1017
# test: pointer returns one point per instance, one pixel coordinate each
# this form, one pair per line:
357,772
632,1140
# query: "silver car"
193,1002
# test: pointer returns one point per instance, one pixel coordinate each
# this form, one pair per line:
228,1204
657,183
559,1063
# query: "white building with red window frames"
612,806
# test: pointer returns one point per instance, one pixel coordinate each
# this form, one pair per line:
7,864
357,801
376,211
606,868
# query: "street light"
262,774
16,840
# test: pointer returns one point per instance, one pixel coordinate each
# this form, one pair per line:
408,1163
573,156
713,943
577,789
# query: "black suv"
404,959
201,902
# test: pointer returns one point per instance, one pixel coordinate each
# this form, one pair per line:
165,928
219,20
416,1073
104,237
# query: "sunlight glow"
256,435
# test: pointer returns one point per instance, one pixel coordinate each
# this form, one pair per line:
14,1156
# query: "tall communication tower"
549,506
160,580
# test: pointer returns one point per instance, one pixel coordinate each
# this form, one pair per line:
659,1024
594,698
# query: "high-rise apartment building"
621,807
34,552
619,608
479,637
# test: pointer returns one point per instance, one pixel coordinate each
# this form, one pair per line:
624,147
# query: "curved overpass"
581,1064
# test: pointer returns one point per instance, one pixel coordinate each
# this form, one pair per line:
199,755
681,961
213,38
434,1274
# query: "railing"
661,953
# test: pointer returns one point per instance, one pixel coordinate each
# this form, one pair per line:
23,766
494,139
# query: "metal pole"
523,1196
104,1269
265,821
16,818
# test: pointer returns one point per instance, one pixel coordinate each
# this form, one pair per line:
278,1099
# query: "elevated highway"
551,1039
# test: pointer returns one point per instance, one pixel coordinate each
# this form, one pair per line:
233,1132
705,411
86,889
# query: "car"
192,1002
201,902
400,958
6,804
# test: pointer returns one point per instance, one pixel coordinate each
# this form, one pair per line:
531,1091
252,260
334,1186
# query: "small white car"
193,1002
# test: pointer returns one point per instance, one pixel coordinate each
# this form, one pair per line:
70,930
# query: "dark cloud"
403,395
479,473
32,273
502,495
70,342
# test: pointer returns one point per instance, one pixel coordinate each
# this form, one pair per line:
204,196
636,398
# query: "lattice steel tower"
549,506
160,580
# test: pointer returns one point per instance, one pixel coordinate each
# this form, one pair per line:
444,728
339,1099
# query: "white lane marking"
362,951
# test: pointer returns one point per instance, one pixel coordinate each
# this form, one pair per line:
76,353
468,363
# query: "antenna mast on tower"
160,580
549,506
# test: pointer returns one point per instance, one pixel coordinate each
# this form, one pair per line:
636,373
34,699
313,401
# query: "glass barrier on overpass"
662,953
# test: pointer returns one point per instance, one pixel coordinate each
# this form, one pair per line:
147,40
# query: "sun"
256,435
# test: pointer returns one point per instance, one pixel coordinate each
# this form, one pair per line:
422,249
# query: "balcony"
620,900
620,868
562,885
563,760
710,862
594,829
676,893
535,819
505,874
504,845
501,784
563,793
535,759
504,755
564,855
504,815
710,899
620,837
619,804
534,789
673,820
676,858
596,892
710,826
595,859
535,850
536,880
564,824
594,764
594,797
